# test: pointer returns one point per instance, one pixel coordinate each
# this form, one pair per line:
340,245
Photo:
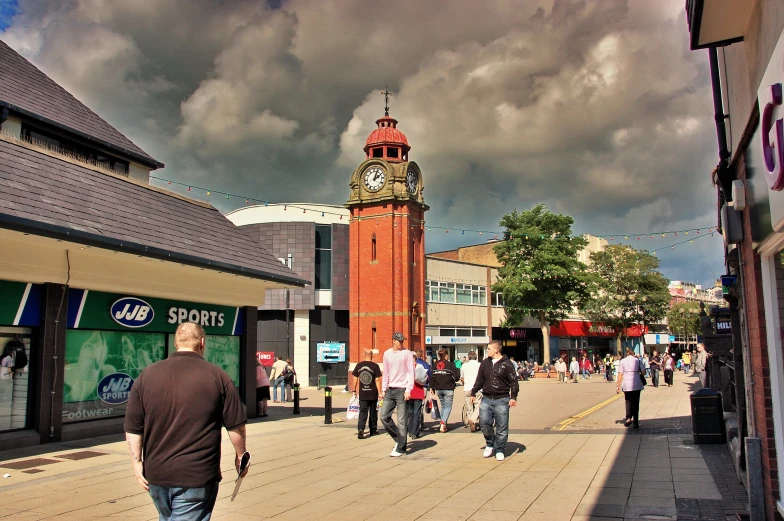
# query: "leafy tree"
627,289
684,318
540,274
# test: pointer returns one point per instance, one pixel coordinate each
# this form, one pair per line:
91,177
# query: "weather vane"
386,101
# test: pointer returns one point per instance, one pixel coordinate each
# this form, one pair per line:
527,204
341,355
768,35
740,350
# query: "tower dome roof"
387,133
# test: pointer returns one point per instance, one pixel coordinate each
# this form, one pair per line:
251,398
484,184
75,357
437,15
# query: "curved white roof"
289,212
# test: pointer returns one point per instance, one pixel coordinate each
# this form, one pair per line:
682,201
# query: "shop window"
481,331
14,377
463,332
447,332
221,350
110,358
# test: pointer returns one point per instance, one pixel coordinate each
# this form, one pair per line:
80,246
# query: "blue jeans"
184,503
415,417
395,398
279,382
586,373
495,409
445,397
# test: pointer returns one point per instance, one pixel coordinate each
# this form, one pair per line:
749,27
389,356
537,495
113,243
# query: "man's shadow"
418,445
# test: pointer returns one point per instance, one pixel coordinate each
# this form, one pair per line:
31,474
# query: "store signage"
20,304
601,328
517,333
428,340
330,352
115,388
132,312
199,316
454,340
723,326
265,358
108,311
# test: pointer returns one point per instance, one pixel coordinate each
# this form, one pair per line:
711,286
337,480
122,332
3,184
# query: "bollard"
328,405
296,398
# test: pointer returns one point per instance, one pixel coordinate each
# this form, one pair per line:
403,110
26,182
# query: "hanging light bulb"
341,217
208,192
687,232
246,201
463,232
676,234
285,207
322,214
447,231
169,182
304,211
612,237
265,203
189,188
227,196
480,233
626,237
428,228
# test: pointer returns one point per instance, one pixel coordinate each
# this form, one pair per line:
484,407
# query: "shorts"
262,393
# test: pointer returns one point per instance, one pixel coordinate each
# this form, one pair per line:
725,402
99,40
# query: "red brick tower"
387,266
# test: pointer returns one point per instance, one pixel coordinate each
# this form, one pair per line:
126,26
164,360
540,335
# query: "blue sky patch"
7,11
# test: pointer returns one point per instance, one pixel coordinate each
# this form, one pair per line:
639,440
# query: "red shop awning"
577,328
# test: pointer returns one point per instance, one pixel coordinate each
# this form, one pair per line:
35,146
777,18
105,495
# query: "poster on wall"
100,368
330,352
223,351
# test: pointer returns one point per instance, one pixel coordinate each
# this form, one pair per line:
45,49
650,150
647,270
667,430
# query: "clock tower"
387,252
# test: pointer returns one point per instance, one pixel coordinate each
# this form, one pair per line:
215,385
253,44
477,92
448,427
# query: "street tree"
540,274
683,319
626,289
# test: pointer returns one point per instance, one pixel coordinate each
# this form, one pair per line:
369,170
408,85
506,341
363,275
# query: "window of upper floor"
453,293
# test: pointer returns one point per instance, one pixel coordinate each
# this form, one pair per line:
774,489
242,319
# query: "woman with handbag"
631,381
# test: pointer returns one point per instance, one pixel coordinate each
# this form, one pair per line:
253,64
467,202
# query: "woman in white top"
629,370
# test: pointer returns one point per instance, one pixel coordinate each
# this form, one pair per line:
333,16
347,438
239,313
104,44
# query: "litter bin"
322,381
707,417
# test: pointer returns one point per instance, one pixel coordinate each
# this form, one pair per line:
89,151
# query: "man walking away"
418,393
498,383
396,386
700,364
560,368
173,426
468,374
278,379
443,377
367,373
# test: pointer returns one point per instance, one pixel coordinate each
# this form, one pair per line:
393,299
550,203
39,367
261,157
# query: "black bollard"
328,405
296,398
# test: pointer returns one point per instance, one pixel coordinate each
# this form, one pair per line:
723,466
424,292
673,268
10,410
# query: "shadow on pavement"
420,444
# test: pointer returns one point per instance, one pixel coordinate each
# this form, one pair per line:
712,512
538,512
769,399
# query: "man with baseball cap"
396,385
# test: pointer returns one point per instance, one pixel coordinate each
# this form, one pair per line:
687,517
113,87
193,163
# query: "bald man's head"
189,337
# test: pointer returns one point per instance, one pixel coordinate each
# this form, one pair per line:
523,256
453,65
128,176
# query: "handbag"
428,405
435,413
642,375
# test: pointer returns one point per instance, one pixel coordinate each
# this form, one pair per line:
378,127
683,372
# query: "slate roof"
49,196
24,88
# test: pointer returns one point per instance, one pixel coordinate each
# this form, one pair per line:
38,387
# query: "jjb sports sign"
108,311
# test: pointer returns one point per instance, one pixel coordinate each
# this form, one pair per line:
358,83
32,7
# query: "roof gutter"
24,225
148,161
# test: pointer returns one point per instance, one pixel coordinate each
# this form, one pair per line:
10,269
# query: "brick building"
745,43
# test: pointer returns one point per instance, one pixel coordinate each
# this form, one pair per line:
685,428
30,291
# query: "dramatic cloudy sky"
596,108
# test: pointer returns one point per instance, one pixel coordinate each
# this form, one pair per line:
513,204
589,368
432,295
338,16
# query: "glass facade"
323,257
451,293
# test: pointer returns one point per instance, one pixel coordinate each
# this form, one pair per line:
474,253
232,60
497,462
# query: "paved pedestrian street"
578,468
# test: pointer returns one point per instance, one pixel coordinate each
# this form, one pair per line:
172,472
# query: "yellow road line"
570,420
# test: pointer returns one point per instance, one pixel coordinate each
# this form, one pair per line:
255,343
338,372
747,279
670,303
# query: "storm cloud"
596,108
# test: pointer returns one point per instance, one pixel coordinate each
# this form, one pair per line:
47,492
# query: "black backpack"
19,354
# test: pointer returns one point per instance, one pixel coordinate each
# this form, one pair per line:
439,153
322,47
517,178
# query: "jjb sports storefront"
111,339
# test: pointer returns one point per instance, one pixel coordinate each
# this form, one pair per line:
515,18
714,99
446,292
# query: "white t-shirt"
469,372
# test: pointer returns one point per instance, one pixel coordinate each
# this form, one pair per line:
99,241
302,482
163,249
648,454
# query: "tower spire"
386,101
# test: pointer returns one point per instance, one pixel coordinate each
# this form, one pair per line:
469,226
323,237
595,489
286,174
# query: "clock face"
374,178
411,182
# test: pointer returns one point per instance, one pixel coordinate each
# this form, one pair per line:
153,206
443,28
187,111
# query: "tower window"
392,152
378,152
323,270
373,248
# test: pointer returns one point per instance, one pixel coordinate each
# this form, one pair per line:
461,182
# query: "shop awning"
579,328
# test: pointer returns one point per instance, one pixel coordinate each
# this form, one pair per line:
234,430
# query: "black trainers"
359,435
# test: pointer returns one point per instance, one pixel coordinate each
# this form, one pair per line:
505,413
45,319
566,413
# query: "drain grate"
28,463
74,456
32,471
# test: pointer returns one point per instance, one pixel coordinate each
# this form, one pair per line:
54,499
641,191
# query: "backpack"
288,375
420,375
20,356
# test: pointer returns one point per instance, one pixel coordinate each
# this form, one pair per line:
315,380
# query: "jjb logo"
115,388
132,312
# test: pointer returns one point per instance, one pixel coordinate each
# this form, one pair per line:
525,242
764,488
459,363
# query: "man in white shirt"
468,373
574,368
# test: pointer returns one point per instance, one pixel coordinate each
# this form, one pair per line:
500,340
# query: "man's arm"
480,380
135,450
385,375
514,387
237,437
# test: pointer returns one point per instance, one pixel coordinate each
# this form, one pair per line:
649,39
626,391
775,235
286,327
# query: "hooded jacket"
496,380
443,375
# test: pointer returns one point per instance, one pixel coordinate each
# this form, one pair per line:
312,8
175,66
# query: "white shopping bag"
353,408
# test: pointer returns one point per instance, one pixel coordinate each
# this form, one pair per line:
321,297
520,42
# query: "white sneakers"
395,453
499,456
488,453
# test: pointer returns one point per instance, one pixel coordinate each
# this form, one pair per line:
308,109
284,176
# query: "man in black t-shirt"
367,374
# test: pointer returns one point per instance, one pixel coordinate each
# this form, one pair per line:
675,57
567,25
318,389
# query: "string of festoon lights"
612,237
